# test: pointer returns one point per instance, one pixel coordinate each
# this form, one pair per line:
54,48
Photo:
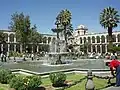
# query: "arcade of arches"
13,45
99,43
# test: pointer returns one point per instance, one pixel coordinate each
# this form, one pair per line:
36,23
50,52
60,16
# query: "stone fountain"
57,54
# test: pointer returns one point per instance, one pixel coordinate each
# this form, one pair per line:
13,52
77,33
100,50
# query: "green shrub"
25,82
4,75
18,83
15,54
10,76
57,79
33,82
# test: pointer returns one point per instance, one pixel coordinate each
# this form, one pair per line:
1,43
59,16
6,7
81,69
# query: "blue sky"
43,12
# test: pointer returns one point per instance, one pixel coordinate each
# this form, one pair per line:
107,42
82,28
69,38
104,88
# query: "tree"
59,28
109,19
64,20
2,37
69,30
34,37
21,25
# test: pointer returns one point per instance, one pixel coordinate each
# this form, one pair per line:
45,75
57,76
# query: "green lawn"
4,87
78,83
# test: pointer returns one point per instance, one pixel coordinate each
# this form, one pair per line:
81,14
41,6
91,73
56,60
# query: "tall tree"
35,37
65,20
69,30
109,19
21,25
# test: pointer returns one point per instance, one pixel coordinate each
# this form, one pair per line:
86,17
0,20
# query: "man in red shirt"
115,65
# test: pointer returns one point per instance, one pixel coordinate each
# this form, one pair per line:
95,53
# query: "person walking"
115,66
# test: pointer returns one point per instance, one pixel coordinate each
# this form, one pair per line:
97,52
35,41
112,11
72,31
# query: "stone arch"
18,48
17,38
93,46
11,37
80,40
11,47
89,48
93,39
102,39
44,39
114,38
54,39
98,48
49,39
98,39
89,40
107,37
103,49
84,39
5,48
118,36
6,37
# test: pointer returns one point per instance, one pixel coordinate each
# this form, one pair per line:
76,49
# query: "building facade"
13,45
96,42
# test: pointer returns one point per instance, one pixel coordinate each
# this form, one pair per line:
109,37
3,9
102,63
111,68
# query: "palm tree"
69,30
65,20
58,30
109,19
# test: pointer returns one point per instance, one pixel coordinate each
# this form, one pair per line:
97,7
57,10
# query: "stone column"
21,48
37,48
116,38
2,47
8,47
32,48
8,38
106,48
95,40
100,48
47,41
91,48
96,48
82,40
14,39
105,39
100,40
15,47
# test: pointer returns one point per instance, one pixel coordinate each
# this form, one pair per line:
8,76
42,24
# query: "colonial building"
96,42
12,43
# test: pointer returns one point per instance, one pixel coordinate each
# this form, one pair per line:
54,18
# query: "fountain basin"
37,66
